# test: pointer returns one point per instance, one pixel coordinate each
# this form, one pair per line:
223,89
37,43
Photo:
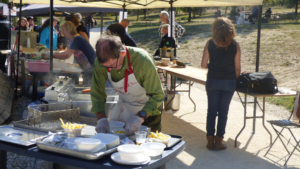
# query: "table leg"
3,159
254,115
190,96
263,120
23,77
245,112
34,87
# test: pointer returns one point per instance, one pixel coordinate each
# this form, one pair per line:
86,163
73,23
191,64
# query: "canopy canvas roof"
143,4
44,10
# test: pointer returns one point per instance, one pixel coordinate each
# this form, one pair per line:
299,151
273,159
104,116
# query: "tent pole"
258,38
51,40
101,23
18,47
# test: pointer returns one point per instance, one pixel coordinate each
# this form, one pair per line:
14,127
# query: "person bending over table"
224,55
84,53
132,72
45,33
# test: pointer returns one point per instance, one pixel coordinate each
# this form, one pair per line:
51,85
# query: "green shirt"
144,71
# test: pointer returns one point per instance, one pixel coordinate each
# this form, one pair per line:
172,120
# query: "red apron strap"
129,64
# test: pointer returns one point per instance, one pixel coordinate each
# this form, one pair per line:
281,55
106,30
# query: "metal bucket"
167,52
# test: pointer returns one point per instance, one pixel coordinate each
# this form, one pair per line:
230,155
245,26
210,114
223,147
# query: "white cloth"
241,18
130,102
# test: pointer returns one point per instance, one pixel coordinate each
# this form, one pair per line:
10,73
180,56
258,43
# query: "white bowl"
153,149
145,128
110,140
87,144
129,152
115,125
73,131
70,142
101,148
121,135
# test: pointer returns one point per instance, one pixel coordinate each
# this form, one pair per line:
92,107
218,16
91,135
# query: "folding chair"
286,124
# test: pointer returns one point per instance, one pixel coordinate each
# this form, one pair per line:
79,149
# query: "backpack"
257,82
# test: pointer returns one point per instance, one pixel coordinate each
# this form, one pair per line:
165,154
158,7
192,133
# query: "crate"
38,66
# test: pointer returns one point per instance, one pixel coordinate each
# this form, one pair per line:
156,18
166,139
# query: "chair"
286,124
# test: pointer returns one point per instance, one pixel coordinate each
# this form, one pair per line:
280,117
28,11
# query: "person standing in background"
22,25
128,39
88,21
45,33
224,56
254,14
4,29
178,30
79,28
79,17
30,21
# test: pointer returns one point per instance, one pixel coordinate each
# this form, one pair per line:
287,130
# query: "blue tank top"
221,62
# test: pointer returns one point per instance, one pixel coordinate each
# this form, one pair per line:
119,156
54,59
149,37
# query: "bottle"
38,56
28,43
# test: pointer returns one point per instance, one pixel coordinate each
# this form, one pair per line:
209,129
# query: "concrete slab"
251,147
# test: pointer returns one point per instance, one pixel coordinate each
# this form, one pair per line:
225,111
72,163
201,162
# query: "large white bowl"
121,135
70,142
115,124
110,140
87,144
153,149
129,152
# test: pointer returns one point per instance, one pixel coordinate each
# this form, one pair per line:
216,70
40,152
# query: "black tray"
173,141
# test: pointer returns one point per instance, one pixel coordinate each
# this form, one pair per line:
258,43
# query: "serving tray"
173,141
73,152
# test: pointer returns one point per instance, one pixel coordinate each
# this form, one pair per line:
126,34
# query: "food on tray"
71,126
120,131
160,136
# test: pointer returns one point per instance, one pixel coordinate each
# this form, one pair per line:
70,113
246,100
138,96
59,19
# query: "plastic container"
153,149
131,152
121,135
110,140
175,103
164,141
73,131
115,125
38,66
87,144
70,142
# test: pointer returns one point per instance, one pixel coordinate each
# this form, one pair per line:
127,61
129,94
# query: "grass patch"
287,102
186,41
286,64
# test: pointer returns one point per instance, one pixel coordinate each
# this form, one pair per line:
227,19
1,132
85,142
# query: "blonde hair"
223,32
69,27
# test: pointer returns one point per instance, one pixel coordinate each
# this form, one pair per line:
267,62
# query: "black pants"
2,63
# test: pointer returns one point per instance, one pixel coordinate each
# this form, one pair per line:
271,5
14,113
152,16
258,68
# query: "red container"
38,66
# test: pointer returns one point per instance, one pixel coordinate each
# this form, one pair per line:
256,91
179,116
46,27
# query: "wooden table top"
189,73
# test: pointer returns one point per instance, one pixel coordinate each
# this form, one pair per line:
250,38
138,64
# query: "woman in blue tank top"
222,57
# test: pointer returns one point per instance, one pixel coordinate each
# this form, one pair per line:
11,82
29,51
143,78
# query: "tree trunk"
200,11
226,10
116,19
190,13
145,13
138,12
194,13
296,9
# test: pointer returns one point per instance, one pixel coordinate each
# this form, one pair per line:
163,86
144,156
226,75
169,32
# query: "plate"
117,158
101,148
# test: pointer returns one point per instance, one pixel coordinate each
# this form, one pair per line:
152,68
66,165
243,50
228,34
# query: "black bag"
257,82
